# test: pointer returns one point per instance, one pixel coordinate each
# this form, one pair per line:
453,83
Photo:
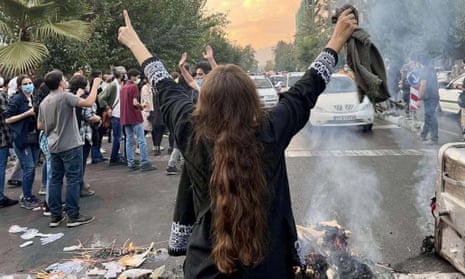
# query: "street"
377,185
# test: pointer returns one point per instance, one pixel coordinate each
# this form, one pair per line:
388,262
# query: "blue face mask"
199,82
28,88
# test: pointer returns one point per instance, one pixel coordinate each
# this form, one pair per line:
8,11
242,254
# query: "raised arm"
208,54
185,73
128,37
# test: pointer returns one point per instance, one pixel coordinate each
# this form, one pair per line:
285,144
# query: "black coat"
192,220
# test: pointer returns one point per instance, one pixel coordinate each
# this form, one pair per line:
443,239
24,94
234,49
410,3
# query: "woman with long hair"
234,219
21,118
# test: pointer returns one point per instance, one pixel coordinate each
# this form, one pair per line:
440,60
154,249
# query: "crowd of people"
57,122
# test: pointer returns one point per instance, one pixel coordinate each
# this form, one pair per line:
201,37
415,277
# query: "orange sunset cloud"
259,23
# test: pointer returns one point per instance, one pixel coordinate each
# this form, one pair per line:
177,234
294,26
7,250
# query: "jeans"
116,128
85,154
67,163
17,173
431,120
4,151
46,168
138,130
28,158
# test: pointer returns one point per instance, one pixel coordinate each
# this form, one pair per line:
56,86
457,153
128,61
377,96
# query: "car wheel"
367,128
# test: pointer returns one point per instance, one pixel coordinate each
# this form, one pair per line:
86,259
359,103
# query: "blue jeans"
4,151
85,154
431,120
138,130
67,163
47,167
28,158
116,129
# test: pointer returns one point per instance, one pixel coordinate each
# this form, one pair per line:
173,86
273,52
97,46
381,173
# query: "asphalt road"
377,185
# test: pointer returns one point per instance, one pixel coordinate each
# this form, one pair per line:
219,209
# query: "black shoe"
56,221
79,220
5,202
14,183
46,209
116,163
133,167
172,170
147,167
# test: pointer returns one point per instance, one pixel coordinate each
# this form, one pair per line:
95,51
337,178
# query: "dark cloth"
20,129
365,60
5,137
367,63
193,202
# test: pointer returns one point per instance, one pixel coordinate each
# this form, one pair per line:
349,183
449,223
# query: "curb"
412,125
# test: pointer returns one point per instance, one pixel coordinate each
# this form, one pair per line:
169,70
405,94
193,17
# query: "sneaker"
116,163
29,202
133,167
46,211
56,221
79,220
147,167
5,202
103,151
86,192
14,183
172,170
42,191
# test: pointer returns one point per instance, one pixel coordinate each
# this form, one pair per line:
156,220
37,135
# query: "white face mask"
137,81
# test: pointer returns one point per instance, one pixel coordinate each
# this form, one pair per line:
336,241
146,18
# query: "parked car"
291,79
278,81
266,91
339,105
444,77
448,96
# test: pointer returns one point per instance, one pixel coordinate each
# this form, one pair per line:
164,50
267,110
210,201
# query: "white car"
266,91
339,105
291,79
448,96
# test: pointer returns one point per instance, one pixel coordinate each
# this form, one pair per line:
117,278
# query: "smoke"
347,192
426,175
408,28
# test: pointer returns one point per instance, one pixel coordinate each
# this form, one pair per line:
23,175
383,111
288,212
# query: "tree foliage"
26,24
167,28
284,54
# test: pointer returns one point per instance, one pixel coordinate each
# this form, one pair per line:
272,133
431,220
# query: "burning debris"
327,255
108,261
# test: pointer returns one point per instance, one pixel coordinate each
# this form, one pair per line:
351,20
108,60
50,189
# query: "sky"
260,23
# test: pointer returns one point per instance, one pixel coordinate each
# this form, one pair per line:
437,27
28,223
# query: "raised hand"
345,26
128,37
208,54
126,34
183,60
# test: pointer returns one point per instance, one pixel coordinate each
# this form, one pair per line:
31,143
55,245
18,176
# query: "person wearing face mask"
201,69
109,100
21,118
131,120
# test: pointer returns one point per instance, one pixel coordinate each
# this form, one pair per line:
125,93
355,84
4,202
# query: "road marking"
357,153
389,126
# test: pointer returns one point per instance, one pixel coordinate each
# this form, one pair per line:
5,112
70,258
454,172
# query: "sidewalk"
413,125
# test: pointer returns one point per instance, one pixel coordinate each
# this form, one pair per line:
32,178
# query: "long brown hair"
228,115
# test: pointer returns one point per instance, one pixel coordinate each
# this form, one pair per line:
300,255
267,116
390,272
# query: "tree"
25,24
284,57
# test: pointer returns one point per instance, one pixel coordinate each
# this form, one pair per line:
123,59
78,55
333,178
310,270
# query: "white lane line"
357,153
390,126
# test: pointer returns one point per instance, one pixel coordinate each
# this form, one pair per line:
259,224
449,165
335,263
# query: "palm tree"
25,24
